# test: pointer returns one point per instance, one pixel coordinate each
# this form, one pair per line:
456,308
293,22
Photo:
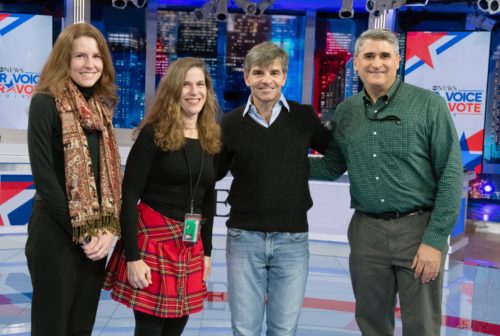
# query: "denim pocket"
234,233
297,236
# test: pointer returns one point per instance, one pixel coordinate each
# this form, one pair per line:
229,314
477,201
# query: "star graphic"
418,45
470,160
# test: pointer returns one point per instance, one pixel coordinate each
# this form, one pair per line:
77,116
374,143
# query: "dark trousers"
382,252
149,325
66,284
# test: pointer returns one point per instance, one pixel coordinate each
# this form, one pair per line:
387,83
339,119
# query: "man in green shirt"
401,150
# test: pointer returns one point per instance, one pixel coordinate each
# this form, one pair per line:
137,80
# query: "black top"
160,179
270,190
47,157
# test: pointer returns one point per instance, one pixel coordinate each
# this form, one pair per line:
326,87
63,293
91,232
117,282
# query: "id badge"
191,227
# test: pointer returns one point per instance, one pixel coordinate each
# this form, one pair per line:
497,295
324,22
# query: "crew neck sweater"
270,189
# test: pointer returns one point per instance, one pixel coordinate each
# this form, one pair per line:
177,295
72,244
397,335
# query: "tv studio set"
445,55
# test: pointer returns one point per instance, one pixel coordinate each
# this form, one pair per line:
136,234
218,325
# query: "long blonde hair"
56,70
166,112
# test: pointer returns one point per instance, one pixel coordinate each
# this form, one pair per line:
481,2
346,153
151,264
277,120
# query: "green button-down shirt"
413,159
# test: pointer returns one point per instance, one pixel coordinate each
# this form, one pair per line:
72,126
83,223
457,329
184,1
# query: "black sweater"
47,157
270,190
160,179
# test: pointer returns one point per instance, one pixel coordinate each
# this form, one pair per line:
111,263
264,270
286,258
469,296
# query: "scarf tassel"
94,226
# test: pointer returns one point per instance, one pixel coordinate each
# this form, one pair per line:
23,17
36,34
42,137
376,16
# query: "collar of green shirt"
386,97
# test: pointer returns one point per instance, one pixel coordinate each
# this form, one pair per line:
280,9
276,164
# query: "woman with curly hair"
160,266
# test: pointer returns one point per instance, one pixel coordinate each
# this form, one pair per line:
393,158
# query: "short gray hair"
263,54
377,35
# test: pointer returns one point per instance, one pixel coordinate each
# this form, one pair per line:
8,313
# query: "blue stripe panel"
21,214
459,36
16,178
414,67
21,18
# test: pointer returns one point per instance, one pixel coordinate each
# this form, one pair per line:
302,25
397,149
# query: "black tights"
150,325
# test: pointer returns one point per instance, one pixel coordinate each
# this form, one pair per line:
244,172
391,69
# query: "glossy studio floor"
471,301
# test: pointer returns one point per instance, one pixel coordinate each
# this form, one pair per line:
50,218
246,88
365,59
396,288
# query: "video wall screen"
223,46
129,58
124,30
491,157
334,76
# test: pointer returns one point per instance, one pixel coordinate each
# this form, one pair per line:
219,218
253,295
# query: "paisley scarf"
88,213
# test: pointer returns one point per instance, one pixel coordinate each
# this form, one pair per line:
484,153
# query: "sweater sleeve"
139,163
42,124
321,135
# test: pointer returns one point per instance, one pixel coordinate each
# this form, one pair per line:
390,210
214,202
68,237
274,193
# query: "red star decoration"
418,45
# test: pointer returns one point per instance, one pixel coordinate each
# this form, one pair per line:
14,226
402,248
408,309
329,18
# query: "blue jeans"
262,266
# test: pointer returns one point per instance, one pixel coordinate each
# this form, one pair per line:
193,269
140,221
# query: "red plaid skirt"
177,269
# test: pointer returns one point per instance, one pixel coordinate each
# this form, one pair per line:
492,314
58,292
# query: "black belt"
397,214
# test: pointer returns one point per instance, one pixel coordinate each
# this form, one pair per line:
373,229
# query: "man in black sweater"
265,146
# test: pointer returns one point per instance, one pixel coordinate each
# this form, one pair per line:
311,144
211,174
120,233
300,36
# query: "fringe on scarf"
93,226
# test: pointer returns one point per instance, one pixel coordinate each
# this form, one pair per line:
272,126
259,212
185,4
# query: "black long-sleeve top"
160,179
47,156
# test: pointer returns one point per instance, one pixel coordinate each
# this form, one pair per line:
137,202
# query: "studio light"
120,4
263,5
487,188
203,12
219,7
248,7
346,11
376,7
489,6
139,3
221,10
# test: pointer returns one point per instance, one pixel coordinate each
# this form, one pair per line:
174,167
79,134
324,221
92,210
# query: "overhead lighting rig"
221,12
347,10
219,8
489,6
204,11
122,4
248,7
376,7
263,5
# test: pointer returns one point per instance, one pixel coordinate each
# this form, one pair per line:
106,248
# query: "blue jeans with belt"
266,268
